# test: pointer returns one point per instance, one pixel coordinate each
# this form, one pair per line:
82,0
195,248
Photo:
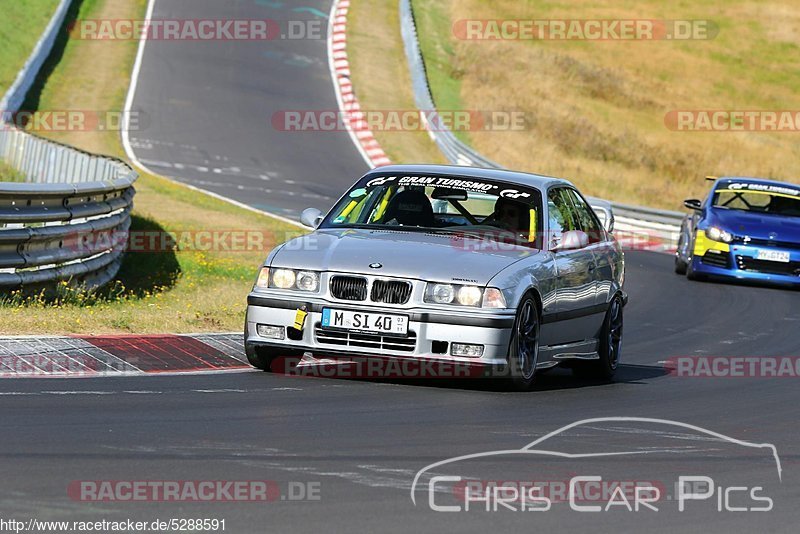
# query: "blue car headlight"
718,234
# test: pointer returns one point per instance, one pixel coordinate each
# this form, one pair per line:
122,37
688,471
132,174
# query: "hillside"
20,27
603,113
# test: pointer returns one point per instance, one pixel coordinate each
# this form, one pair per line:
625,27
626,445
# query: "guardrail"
453,148
661,225
55,226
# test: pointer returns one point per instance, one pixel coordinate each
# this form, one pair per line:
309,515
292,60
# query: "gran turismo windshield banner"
489,187
762,188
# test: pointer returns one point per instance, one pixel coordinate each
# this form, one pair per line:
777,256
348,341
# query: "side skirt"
550,356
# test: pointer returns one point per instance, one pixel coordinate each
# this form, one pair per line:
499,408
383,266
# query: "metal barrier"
56,225
660,224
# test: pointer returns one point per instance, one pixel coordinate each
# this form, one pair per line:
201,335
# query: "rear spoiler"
712,178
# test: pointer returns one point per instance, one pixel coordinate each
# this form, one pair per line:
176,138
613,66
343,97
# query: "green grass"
21,25
595,111
168,291
378,61
10,174
443,65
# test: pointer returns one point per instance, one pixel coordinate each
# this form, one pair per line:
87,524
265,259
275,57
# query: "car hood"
756,225
401,254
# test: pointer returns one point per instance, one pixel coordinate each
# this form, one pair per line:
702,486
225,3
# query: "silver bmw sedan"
505,271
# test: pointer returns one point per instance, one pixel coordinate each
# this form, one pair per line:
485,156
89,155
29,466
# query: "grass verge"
10,174
381,80
595,110
186,290
20,27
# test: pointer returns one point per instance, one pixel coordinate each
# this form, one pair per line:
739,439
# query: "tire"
605,367
680,265
260,358
523,351
690,274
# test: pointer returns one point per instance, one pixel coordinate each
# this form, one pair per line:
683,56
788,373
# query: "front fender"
272,254
685,245
535,274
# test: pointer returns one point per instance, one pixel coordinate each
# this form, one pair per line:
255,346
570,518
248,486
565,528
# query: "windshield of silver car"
442,204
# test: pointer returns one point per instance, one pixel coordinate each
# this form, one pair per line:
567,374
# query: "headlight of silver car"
718,234
288,279
307,281
469,295
283,278
464,295
440,293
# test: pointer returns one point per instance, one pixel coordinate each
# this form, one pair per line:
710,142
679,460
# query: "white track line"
137,67
126,143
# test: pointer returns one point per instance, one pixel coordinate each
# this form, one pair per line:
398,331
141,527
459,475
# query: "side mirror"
572,240
693,204
311,217
606,217
604,212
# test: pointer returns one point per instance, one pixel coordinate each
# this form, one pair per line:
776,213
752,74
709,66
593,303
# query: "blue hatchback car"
747,229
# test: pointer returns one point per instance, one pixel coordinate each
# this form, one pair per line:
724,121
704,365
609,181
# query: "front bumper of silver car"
431,332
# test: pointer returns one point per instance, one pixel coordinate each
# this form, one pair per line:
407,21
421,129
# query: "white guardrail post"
635,226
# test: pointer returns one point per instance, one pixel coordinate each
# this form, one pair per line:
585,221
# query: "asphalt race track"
358,444
207,108
363,441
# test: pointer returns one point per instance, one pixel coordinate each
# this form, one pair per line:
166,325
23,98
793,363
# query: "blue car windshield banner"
760,188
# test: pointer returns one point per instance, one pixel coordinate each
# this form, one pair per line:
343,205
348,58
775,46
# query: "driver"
784,206
512,214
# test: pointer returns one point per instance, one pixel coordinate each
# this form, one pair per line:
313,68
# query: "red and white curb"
360,133
635,234
120,355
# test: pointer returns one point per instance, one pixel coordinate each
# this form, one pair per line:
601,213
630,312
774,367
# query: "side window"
559,212
585,218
